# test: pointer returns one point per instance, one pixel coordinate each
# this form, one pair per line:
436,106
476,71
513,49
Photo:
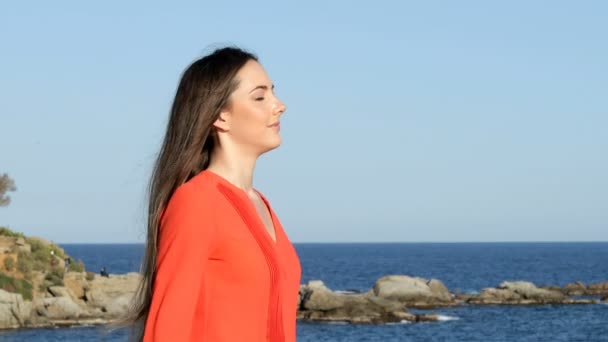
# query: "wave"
447,318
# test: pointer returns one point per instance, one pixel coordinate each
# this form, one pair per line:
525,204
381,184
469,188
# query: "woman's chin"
275,143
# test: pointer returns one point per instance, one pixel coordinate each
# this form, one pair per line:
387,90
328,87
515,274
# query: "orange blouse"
220,276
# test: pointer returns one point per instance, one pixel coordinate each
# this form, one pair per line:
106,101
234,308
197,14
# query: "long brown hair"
203,91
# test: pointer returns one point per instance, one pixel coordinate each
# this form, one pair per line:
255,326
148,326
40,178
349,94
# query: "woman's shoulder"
200,189
193,200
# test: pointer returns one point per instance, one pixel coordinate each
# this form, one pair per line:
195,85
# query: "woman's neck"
235,168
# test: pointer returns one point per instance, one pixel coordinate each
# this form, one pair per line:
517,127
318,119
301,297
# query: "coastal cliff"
41,286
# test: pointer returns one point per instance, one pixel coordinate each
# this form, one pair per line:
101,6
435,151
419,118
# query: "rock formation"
319,303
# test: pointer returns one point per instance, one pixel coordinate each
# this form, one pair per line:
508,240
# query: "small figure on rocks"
67,262
104,272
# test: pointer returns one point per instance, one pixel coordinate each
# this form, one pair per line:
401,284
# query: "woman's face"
251,120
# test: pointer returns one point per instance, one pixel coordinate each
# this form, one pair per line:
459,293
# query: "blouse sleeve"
186,232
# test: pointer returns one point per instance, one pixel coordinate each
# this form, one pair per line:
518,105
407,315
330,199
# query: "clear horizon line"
365,242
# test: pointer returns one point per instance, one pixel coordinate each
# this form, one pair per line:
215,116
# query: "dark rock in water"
317,297
575,289
528,290
391,295
463,297
523,292
553,288
580,289
413,291
319,303
599,289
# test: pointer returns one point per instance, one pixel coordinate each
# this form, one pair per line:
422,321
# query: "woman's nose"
280,107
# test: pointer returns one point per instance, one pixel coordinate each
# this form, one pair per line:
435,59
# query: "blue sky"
427,121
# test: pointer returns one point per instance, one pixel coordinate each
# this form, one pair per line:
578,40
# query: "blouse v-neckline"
252,207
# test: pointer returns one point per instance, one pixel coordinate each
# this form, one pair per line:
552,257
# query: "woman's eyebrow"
265,87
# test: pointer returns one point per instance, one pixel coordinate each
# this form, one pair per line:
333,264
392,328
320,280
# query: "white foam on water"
447,318
398,323
345,292
337,323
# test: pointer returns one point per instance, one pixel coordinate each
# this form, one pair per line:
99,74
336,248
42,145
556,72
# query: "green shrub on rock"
44,256
76,267
24,263
14,285
9,263
7,232
55,277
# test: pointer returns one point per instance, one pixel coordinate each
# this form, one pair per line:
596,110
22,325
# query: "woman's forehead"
252,75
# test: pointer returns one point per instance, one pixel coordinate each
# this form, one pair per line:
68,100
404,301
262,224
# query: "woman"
218,265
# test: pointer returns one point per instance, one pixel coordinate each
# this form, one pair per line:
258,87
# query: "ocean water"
468,267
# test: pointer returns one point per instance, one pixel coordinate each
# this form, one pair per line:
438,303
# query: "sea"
466,267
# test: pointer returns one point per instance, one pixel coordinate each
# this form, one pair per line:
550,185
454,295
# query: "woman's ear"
222,123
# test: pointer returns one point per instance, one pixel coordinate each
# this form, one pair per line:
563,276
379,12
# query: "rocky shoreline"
42,286
391,297
80,301
102,300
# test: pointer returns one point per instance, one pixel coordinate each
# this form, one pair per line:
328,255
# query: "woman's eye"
259,98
